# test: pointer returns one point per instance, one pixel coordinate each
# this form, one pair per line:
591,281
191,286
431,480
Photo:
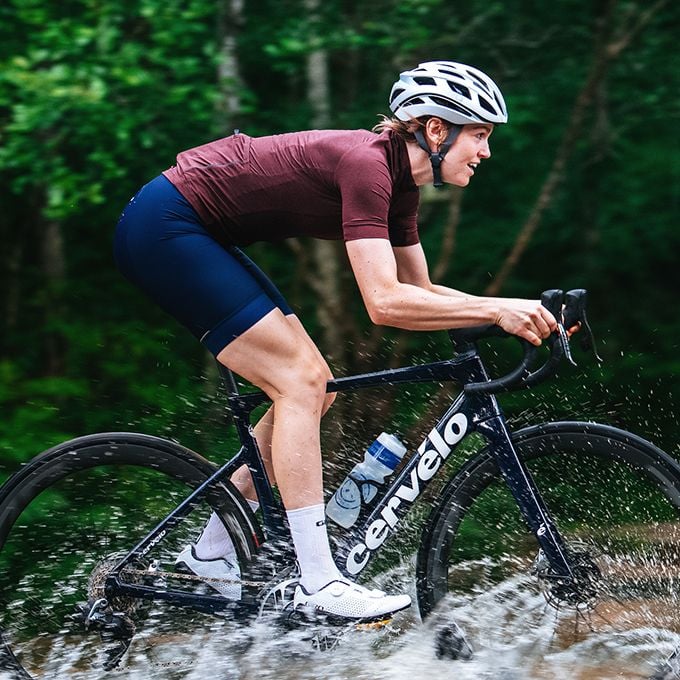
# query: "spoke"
557,615
577,619
586,619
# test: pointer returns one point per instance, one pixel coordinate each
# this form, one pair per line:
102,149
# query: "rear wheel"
65,522
616,500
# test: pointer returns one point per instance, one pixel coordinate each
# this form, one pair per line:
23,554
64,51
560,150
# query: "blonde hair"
404,128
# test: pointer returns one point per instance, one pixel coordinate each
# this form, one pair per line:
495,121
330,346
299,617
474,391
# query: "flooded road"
511,629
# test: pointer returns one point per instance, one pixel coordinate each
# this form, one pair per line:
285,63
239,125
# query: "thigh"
277,355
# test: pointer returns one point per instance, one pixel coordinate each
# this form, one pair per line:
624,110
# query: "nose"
485,150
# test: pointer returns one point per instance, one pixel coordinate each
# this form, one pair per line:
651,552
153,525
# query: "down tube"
365,539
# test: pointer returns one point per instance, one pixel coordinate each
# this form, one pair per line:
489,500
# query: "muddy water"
513,636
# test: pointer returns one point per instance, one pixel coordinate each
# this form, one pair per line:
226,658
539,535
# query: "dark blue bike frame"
468,413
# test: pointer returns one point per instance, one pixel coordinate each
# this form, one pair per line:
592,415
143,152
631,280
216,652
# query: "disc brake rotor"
582,592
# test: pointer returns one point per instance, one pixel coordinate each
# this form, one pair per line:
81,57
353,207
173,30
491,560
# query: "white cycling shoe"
348,600
209,569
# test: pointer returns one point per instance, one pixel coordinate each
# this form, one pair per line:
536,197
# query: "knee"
328,397
316,377
307,383
314,380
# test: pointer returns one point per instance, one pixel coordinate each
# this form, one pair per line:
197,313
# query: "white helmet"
455,92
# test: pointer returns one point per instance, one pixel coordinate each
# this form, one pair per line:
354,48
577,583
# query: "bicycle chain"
193,577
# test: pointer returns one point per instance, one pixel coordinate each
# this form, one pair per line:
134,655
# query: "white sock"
308,529
214,542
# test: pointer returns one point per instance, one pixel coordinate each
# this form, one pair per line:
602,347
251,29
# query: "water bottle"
361,484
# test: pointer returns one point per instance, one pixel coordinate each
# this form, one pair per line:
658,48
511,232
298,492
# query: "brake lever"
568,310
564,343
575,313
553,301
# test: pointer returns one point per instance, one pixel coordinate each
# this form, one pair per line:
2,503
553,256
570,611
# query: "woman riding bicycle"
179,237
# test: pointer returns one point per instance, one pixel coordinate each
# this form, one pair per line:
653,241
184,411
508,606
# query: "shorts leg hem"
238,323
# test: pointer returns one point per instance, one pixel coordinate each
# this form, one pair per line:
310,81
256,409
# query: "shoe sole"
312,615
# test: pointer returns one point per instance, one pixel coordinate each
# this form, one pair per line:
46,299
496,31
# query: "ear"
435,132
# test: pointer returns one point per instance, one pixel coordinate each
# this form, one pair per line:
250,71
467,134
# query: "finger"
574,329
531,337
545,324
549,318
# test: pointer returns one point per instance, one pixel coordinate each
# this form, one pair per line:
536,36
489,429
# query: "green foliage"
96,98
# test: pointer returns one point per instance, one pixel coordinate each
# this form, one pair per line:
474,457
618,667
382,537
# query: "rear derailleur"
115,628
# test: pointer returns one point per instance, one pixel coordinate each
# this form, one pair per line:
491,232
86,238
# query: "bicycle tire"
122,484
616,499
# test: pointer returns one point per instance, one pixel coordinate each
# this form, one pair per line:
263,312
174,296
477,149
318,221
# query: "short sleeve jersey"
330,184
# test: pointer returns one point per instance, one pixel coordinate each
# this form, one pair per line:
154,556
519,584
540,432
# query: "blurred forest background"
583,190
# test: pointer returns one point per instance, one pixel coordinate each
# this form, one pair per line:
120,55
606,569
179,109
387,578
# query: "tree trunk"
326,255
54,273
609,43
230,21
13,289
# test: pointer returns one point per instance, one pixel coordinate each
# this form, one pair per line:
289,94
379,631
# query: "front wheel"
616,500
66,520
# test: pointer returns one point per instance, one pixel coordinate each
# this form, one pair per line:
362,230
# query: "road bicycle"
582,516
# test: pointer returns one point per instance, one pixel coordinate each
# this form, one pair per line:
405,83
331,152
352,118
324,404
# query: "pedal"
373,625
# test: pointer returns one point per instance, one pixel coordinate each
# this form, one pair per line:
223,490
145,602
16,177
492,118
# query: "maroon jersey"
330,184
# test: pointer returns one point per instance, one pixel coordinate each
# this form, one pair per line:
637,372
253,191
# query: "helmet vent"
451,105
480,83
397,92
453,74
424,80
460,89
486,105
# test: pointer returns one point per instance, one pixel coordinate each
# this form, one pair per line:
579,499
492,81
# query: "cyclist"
179,240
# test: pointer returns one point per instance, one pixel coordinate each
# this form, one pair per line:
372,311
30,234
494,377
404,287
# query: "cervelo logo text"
433,452
154,540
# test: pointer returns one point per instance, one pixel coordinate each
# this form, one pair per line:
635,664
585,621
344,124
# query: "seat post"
228,379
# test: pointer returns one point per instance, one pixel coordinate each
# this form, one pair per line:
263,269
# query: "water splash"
512,635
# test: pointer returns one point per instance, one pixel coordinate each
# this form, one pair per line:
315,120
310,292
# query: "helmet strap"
436,157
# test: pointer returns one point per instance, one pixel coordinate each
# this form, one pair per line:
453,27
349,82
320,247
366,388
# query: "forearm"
413,308
445,290
397,292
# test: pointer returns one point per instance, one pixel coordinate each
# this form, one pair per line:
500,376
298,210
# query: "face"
468,151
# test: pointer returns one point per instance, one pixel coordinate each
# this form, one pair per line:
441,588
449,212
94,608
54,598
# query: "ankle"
214,542
308,530
313,583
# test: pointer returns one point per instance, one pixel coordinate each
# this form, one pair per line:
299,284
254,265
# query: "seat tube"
241,407
526,494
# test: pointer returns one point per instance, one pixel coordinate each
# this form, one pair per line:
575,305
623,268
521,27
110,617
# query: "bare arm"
412,268
397,291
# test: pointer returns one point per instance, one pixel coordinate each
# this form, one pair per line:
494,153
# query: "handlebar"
569,309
